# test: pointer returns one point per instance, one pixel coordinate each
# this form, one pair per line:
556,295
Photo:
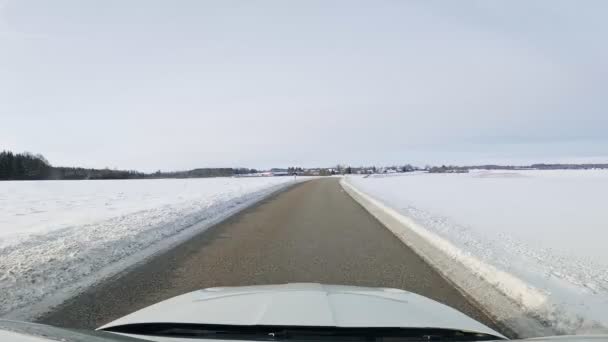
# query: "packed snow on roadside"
59,235
546,228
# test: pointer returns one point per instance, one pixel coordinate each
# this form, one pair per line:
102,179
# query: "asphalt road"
312,232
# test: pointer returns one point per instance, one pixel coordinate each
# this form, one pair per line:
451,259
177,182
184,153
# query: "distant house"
279,172
312,172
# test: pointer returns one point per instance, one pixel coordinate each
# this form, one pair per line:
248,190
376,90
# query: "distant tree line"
75,173
520,167
23,166
295,169
568,166
28,166
447,169
203,173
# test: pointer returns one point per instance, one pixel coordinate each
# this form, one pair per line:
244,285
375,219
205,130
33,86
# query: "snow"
538,236
58,237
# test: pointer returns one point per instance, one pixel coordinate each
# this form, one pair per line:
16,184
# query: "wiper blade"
299,333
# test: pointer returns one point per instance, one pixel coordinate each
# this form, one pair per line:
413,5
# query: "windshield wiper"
298,333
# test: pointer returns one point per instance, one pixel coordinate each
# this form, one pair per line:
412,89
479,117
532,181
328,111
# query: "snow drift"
59,237
536,237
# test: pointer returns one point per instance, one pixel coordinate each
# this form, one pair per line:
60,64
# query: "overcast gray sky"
181,84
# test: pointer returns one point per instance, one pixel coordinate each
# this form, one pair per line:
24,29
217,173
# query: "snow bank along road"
527,241
313,232
59,237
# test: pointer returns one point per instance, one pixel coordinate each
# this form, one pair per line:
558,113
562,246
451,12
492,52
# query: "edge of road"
486,296
43,307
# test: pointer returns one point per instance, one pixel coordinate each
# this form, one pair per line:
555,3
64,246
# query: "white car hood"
305,305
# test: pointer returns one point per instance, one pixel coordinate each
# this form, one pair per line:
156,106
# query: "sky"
175,85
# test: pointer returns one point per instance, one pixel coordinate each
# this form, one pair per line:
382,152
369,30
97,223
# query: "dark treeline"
202,173
75,173
28,166
534,167
568,166
464,169
23,166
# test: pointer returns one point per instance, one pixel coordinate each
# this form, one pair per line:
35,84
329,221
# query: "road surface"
312,232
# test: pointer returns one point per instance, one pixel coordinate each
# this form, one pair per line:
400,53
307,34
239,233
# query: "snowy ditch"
59,237
527,246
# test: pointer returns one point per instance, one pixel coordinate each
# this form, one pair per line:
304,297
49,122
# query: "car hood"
305,304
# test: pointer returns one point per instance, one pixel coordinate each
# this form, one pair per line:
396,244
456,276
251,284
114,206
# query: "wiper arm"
298,333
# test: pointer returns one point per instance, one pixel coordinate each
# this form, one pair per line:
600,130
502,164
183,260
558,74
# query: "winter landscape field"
546,228
57,237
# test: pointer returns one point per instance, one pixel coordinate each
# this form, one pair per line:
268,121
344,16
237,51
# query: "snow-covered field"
546,228
57,237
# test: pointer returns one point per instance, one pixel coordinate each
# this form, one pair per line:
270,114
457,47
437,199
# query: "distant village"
368,170
337,170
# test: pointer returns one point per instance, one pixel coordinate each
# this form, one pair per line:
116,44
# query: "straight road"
312,232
